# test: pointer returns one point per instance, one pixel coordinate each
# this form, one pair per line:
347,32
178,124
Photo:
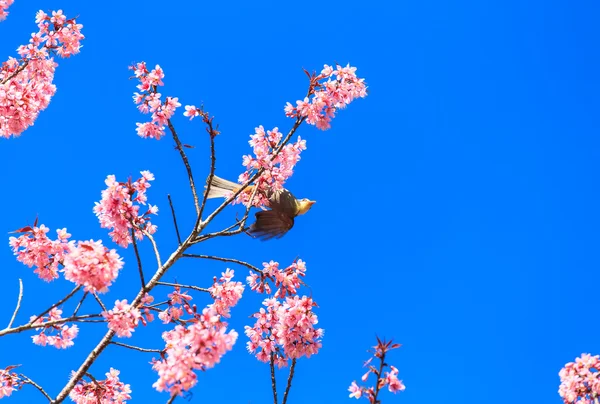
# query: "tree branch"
187,166
289,382
199,289
61,301
137,257
212,257
12,320
27,380
135,348
174,219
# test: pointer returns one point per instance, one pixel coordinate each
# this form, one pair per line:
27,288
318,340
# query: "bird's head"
304,205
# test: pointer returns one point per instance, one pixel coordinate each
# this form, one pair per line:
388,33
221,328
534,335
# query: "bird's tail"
220,188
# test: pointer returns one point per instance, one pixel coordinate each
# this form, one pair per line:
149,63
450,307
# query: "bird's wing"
271,223
283,201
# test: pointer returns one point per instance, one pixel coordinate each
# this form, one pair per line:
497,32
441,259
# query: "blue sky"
457,204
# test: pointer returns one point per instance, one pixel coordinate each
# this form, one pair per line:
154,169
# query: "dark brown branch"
273,382
27,380
212,257
14,316
30,326
172,399
199,289
174,219
187,166
16,72
137,257
289,382
135,348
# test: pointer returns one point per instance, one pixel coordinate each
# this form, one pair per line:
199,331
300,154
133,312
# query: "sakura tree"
281,332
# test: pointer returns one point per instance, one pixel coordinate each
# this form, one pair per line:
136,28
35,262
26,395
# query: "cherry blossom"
60,336
149,101
285,330
383,377
9,382
276,170
579,380
198,346
26,86
4,5
119,210
92,266
226,293
108,391
326,97
34,249
286,280
123,318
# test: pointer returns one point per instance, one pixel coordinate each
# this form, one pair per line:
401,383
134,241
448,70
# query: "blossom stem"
187,166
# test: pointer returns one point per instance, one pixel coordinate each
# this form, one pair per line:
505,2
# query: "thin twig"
213,159
199,289
61,301
174,219
289,382
99,301
85,294
27,380
172,399
16,72
155,247
136,348
30,326
12,320
187,166
273,382
212,257
137,257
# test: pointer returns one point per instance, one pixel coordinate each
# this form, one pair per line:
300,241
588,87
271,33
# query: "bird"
273,223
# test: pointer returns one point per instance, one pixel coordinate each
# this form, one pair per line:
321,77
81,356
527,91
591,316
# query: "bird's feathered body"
269,223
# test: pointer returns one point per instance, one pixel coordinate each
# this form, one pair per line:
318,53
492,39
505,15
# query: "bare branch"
12,320
155,247
172,399
199,289
187,166
61,301
212,257
30,326
137,257
273,382
212,134
136,348
289,382
175,219
99,301
27,380
85,294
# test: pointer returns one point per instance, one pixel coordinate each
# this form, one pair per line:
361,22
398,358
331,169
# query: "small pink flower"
123,318
92,265
108,391
226,293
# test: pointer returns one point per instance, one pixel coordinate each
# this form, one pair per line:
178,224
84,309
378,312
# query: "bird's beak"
311,203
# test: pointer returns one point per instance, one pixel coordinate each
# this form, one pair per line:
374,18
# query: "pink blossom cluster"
9,382
26,85
149,100
384,378
146,312
340,89
64,334
123,318
579,380
226,293
276,170
119,210
109,391
4,5
92,266
34,249
178,303
285,330
286,280
197,347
